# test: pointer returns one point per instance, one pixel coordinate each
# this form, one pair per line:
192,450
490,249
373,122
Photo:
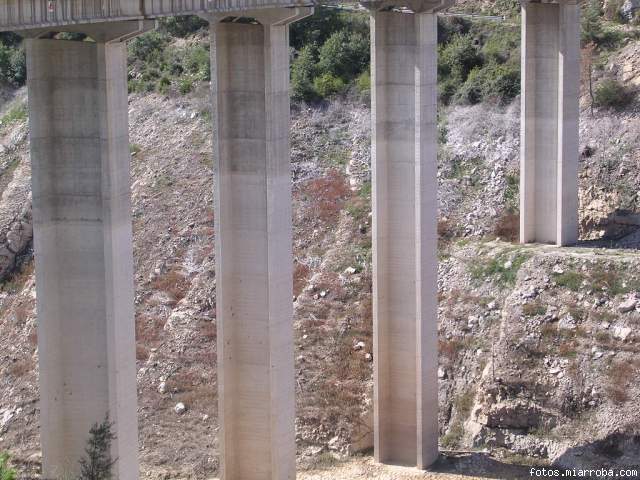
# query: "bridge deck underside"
18,15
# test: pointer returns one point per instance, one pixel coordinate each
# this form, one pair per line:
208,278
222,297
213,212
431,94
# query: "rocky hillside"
539,346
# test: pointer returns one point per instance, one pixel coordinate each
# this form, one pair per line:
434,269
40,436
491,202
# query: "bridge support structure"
83,244
549,122
404,151
254,260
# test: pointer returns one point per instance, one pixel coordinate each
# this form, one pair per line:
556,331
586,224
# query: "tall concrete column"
549,122
404,149
83,246
254,261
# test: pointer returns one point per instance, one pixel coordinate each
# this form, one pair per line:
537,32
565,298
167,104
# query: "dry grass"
21,313
534,308
33,338
148,334
142,353
201,397
450,349
208,331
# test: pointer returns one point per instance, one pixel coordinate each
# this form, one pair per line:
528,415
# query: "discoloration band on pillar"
404,230
254,261
83,249
549,123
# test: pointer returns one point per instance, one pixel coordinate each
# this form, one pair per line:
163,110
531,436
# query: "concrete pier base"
83,250
254,261
549,124
404,149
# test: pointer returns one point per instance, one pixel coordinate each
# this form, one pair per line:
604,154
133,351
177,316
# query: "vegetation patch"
571,280
610,93
503,268
17,113
6,472
159,65
534,308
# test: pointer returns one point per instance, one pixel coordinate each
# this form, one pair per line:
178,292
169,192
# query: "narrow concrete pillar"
254,262
83,249
404,149
549,122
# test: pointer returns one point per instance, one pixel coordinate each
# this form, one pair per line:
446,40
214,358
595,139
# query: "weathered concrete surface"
254,261
83,249
404,148
549,143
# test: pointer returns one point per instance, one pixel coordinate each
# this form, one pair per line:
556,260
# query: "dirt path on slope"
462,467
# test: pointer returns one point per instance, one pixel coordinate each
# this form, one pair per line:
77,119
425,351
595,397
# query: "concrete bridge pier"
404,149
83,244
254,261
549,123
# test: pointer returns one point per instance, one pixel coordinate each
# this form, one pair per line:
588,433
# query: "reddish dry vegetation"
326,195
446,229
621,373
20,368
174,283
508,227
301,274
148,334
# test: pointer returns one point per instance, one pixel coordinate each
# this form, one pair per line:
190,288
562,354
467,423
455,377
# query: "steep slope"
537,344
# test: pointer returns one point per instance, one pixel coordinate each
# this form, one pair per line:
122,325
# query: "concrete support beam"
83,250
254,262
549,123
404,149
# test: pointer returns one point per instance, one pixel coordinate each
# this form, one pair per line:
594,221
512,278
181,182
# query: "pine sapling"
97,463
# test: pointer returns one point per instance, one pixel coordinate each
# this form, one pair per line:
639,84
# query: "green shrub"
327,85
13,66
164,84
458,58
148,46
156,64
502,45
182,26
449,27
71,36
185,85
6,472
447,88
317,28
499,83
594,30
197,60
611,94
363,83
303,70
591,22
345,55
